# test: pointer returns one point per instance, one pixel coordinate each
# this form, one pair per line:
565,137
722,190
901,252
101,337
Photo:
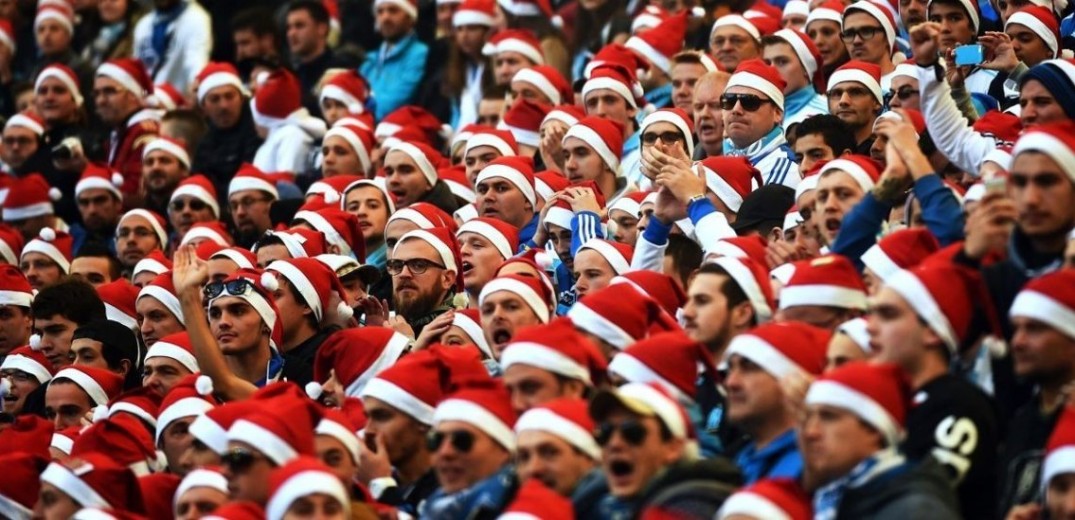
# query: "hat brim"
368,274
607,400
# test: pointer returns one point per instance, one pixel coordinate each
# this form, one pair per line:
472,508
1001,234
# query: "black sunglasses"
237,287
633,432
238,460
416,266
461,440
193,204
750,102
903,94
666,137
866,33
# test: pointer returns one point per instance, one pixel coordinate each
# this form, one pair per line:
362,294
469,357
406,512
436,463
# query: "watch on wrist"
695,198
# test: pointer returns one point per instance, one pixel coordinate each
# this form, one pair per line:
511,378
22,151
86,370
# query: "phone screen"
966,55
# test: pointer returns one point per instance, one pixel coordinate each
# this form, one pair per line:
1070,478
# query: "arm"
940,210
584,226
650,247
710,225
189,275
859,230
962,98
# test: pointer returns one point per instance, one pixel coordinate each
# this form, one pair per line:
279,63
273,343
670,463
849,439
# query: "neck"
1049,244
771,428
297,337
1051,392
312,56
414,467
932,367
862,134
607,183
887,66
250,365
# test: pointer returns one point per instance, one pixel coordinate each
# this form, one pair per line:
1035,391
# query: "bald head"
708,119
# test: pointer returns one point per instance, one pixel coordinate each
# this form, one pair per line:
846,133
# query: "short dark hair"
256,20
833,131
74,299
315,8
730,289
98,250
686,253
118,342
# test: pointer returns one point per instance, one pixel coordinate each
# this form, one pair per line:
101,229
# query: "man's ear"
447,280
124,367
775,235
742,316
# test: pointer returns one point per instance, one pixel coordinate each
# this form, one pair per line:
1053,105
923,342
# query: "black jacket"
906,492
223,150
442,197
299,361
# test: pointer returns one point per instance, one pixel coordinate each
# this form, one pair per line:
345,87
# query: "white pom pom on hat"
100,413
269,282
314,390
204,385
47,234
35,342
55,194
117,179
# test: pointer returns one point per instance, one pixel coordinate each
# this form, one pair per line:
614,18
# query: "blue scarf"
273,371
827,499
161,34
798,100
491,493
757,147
378,257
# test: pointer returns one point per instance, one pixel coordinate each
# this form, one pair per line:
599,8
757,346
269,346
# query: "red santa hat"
758,75
378,183
29,120
204,477
865,74
617,78
536,501
302,477
360,140
883,15
566,114
424,215
616,254
534,293
503,236
11,244
902,249
516,170
14,288
658,286
1048,298
100,384
20,484
357,355
408,6
646,399
783,349
219,74
1002,126
162,289
523,119
176,347
318,286
878,393
1055,140
156,222
65,75
769,498
620,315
443,241
166,97
731,179
529,8
485,405
565,418
411,117
677,117
475,12
334,187
340,228
864,170
29,196
249,177
65,17
829,280
282,425
669,359
649,17
213,231
470,322
753,280
752,247
424,156
30,361
521,41
1060,450
56,245
1041,21
501,140
347,87
7,36
339,425
630,203
241,257
603,135
124,438
661,43
95,176
201,188
96,480
418,381
456,179
170,146
130,73
830,10
944,295
807,52
548,182
279,96
118,297
211,427
556,347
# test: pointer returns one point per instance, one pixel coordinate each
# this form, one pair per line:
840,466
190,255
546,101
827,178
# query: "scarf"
799,99
758,148
273,370
161,34
827,499
489,495
378,257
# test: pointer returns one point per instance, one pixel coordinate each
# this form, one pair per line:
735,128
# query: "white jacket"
187,52
954,137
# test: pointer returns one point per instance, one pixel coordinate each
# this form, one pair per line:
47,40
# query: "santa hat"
535,501
30,361
414,118
534,293
1041,21
470,322
20,483
241,257
64,439
211,426
485,405
831,10
302,477
529,8
7,36
1060,450
658,286
65,75
751,246
260,299
883,15
52,12
617,78
677,117
878,393
277,98
523,119
549,81
456,179
199,187
769,498
807,51
317,284
946,296
661,43
204,477
646,399
29,196
219,74
503,236
166,97
418,381
864,170
565,418
475,12
603,135
249,177
731,179
556,347
757,75
617,255
1001,126
521,41
738,21
548,182
96,480
378,183
343,426
162,289
14,288
783,349
516,170
118,297
130,73
669,359
360,140
1048,299
100,384
176,347
124,438
340,228
863,73
753,280
281,427
170,146
156,222
566,114
98,177
347,87
212,231
28,120
408,6
1055,140
830,281
443,241
357,355
501,140
11,244
423,215
620,315
56,245
425,158
630,203
334,187
855,328
902,249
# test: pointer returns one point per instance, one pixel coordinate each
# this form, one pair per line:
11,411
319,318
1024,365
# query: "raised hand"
582,199
432,332
925,43
1000,55
189,273
989,226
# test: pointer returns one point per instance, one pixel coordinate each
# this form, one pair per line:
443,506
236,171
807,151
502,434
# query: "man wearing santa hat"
395,75
21,139
231,138
16,321
165,162
120,88
425,269
753,107
556,446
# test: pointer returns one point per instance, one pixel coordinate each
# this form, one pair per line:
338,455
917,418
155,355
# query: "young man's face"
161,172
89,353
626,227
250,211
754,395
15,326
175,440
811,149
367,203
550,459
40,270
417,294
1043,194
184,211
628,465
707,316
532,386
135,239
336,456
500,199
223,106
826,35
503,313
833,441
22,385
94,270
783,57
480,261
236,327
854,104
506,64
155,321
403,436
250,482
54,101
305,37
592,272
162,373
393,21
905,93
837,193
458,468
913,12
66,404
581,161
405,180
610,105
874,49
56,332
19,143
956,27
1040,352
684,77
475,159
896,330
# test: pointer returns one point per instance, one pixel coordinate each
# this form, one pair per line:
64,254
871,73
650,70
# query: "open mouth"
397,192
501,336
489,212
621,468
467,267
832,224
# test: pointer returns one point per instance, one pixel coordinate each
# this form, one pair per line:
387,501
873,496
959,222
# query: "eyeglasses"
139,232
415,265
903,94
852,92
193,204
236,287
238,460
866,33
666,138
750,102
461,440
633,432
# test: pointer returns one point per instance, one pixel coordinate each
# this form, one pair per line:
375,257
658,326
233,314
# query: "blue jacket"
780,459
394,74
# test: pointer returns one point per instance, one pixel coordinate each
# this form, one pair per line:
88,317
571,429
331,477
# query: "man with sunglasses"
856,97
753,109
193,201
425,275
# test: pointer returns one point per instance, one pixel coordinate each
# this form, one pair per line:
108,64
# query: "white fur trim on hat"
1039,306
545,358
337,93
736,20
406,6
474,414
245,183
634,370
53,14
1057,462
851,168
124,78
186,407
419,159
593,139
68,81
487,139
399,398
395,348
444,250
528,51
560,115
1034,24
921,300
28,365
545,420
169,147
653,55
756,82
744,278
1036,142
174,352
28,211
341,433
500,242
356,144
303,484
85,382
527,293
828,295
473,329
612,255
210,433
724,191
522,136
201,478
877,12
610,84
468,17
19,298
265,441
593,322
47,249
752,505
835,394
535,78
113,313
76,488
511,175
669,117
763,354
220,79
300,282
665,408
204,233
25,122
169,300
879,262
810,65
